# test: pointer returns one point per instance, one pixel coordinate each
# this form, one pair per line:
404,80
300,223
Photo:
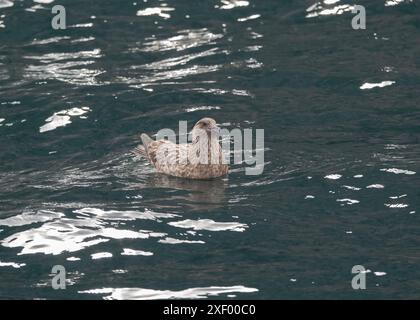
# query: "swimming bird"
201,159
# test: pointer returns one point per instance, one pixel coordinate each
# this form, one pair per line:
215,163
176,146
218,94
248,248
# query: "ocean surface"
341,116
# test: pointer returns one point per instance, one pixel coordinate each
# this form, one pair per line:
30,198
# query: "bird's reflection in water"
196,194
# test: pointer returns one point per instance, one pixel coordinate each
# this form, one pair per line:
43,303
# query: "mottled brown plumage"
201,159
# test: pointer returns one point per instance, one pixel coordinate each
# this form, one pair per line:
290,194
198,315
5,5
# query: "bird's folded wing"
166,153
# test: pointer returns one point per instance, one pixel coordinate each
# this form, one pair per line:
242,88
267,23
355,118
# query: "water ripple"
65,66
59,234
210,225
185,39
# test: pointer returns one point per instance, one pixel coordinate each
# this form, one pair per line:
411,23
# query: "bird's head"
207,127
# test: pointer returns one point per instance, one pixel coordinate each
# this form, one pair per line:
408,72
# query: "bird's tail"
146,140
141,150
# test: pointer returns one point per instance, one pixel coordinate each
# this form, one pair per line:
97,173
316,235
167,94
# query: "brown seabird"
201,159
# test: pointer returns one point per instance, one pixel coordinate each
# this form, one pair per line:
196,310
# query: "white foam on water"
318,9
73,259
169,240
201,108
6,4
159,11
44,1
391,3
398,197
150,294
119,271
101,255
231,4
348,201
396,205
62,118
251,17
131,252
83,25
12,264
375,186
333,176
67,235
368,85
352,188
30,217
121,215
398,171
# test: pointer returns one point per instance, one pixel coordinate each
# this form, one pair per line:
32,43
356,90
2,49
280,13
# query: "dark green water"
340,185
